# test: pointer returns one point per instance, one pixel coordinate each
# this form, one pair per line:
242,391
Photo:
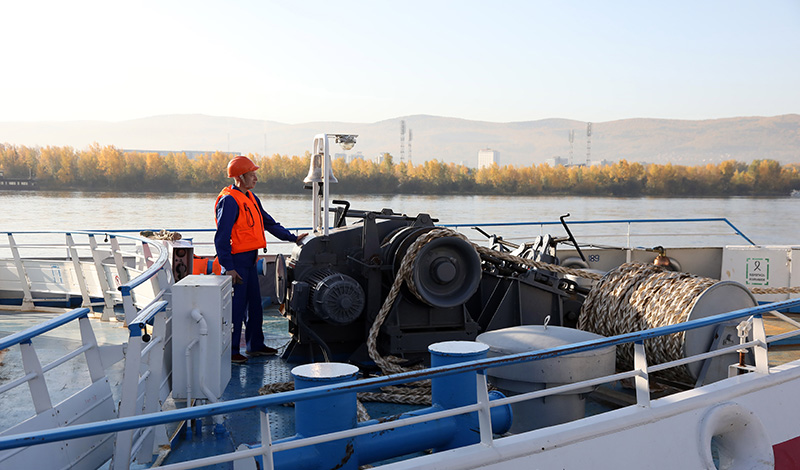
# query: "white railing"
641,372
92,403
103,271
627,233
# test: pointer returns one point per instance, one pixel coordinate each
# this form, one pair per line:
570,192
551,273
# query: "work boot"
264,351
237,358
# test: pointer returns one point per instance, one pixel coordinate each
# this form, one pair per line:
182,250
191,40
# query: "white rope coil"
637,297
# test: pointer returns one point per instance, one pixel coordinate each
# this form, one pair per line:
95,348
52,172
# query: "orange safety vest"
248,230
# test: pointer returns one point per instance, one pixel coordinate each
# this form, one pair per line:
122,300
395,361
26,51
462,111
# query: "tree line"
107,168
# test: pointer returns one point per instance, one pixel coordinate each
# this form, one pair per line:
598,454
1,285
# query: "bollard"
338,412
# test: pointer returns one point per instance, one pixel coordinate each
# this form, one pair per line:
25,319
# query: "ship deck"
206,437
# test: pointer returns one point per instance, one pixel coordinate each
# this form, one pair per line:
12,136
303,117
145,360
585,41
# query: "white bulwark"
487,157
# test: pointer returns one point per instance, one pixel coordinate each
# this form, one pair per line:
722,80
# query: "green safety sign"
757,272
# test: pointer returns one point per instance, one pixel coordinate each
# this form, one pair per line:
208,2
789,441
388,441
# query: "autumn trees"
111,169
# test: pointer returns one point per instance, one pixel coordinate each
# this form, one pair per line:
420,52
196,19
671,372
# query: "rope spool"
637,297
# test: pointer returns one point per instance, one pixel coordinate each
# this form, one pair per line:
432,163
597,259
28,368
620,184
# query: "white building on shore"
488,157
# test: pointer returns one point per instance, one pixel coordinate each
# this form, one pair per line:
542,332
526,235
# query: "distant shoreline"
306,193
111,169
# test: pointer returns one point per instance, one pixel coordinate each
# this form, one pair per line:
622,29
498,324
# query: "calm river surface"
764,220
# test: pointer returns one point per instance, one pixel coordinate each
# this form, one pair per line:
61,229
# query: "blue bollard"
338,412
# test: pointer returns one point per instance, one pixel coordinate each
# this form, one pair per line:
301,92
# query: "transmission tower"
409,146
571,140
402,141
588,144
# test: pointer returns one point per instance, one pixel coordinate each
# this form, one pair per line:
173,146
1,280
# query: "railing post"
147,256
161,281
151,400
37,385
108,300
760,351
27,297
93,360
484,413
127,304
266,441
76,263
161,330
642,380
628,238
118,261
128,400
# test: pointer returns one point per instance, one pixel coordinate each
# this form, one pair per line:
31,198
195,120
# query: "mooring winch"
334,285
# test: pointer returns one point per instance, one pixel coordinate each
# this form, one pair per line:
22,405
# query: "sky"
367,61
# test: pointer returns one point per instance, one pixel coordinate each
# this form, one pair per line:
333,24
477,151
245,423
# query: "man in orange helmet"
241,222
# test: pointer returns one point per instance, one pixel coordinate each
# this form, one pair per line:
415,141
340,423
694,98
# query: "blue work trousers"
247,309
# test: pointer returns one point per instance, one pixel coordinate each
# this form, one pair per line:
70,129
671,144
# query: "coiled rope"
391,364
637,297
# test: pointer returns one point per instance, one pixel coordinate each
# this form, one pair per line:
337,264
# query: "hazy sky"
365,61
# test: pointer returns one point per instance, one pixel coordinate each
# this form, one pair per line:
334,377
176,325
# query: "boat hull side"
669,434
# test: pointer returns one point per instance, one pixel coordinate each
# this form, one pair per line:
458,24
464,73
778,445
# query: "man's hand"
301,237
235,277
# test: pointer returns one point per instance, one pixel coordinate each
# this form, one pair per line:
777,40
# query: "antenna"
402,140
588,143
409,147
571,140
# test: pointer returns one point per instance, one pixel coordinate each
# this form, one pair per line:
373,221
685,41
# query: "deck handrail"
723,220
151,257
259,403
98,252
49,325
146,316
611,221
158,264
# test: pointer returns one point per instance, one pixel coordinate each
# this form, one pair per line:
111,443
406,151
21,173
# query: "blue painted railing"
259,403
146,316
41,328
736,231
459,226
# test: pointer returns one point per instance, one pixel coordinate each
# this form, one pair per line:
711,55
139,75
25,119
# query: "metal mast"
571,140
588,144
402,141
409,146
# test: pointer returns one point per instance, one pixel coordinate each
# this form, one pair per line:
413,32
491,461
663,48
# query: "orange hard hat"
240,165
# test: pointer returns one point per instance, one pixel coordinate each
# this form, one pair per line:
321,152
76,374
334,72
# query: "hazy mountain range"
441,138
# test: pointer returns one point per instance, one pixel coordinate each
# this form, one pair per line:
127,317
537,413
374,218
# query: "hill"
447,139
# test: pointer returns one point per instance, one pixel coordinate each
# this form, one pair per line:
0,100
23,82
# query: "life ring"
739,436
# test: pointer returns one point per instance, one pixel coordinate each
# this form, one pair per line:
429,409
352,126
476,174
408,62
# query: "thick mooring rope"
637,297
391,364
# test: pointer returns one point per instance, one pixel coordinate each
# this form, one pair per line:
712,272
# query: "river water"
766,221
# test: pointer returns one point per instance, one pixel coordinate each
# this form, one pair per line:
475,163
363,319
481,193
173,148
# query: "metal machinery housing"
334,285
